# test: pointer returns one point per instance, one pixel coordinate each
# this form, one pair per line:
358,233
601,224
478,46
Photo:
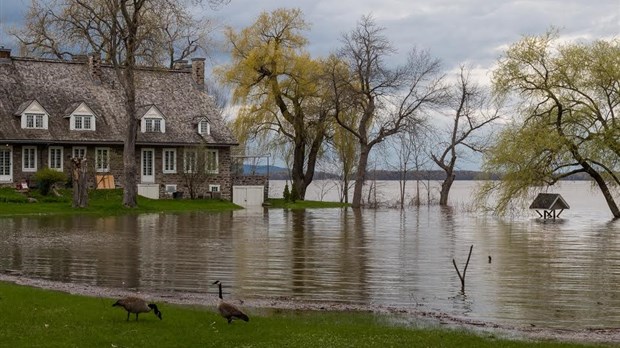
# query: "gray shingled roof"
549,201
60,85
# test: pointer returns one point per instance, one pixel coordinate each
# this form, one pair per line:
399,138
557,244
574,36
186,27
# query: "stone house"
54,110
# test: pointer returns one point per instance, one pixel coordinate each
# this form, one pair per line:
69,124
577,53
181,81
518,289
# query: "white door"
148,168
6,164
248,196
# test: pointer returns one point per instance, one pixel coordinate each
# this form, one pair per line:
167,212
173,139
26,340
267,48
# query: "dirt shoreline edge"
594,336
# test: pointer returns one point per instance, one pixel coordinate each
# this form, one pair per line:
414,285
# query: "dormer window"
34,120
82,122
153,121
204,127
152,125
81,117
33,115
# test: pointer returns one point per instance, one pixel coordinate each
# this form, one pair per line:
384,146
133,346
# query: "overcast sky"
456,31
475,32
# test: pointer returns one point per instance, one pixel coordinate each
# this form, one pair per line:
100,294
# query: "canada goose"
228,310
137,305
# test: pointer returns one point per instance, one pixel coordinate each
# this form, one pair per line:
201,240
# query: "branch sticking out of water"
462,276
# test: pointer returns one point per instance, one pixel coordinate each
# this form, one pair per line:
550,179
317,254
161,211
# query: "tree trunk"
402,183
345,190
600,181
80,183
130,187
360,176
445,188
297,175
417,193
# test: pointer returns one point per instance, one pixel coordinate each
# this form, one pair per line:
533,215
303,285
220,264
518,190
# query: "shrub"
286,194
294,194
46,178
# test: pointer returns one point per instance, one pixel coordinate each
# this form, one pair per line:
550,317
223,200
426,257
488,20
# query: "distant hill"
263,169
279,173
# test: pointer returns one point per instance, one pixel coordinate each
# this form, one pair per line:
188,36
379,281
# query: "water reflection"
561,274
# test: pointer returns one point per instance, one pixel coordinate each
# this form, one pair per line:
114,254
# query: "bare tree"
62,28
339,160
420,162
402,153
198,166
386,100
183,35
473,110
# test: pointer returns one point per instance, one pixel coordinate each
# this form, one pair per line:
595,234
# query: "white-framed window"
79,152
153,121
34,116
169,159
55,157
204,127
147,168
212,166
29,159
214,188
190,157
83,122
102,159
82,119
6,164
35,121
152,125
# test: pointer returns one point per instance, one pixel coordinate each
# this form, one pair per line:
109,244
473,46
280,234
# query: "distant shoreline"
434,175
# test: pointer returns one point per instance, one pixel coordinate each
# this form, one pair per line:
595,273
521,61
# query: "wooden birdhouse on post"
549,204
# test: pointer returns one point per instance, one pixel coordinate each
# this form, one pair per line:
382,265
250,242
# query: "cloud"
455,31
472,31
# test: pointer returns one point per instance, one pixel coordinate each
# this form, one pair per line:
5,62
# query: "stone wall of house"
222,178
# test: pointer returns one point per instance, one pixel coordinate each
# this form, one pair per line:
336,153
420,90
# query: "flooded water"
557,274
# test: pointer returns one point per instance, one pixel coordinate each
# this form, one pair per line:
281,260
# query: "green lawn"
101,202
31,317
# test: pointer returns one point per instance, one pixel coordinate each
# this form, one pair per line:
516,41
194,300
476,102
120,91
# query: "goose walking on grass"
227,310
137,305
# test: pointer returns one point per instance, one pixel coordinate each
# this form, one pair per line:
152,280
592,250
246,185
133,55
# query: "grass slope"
101,202
32,317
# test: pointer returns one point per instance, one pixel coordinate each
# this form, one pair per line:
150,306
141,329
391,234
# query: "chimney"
198,72
5,53
23,50
79,58
94,67
180,64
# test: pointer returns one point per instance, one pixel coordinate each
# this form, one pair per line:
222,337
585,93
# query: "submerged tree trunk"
360,176
402,187
600,181
417,202
446,185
